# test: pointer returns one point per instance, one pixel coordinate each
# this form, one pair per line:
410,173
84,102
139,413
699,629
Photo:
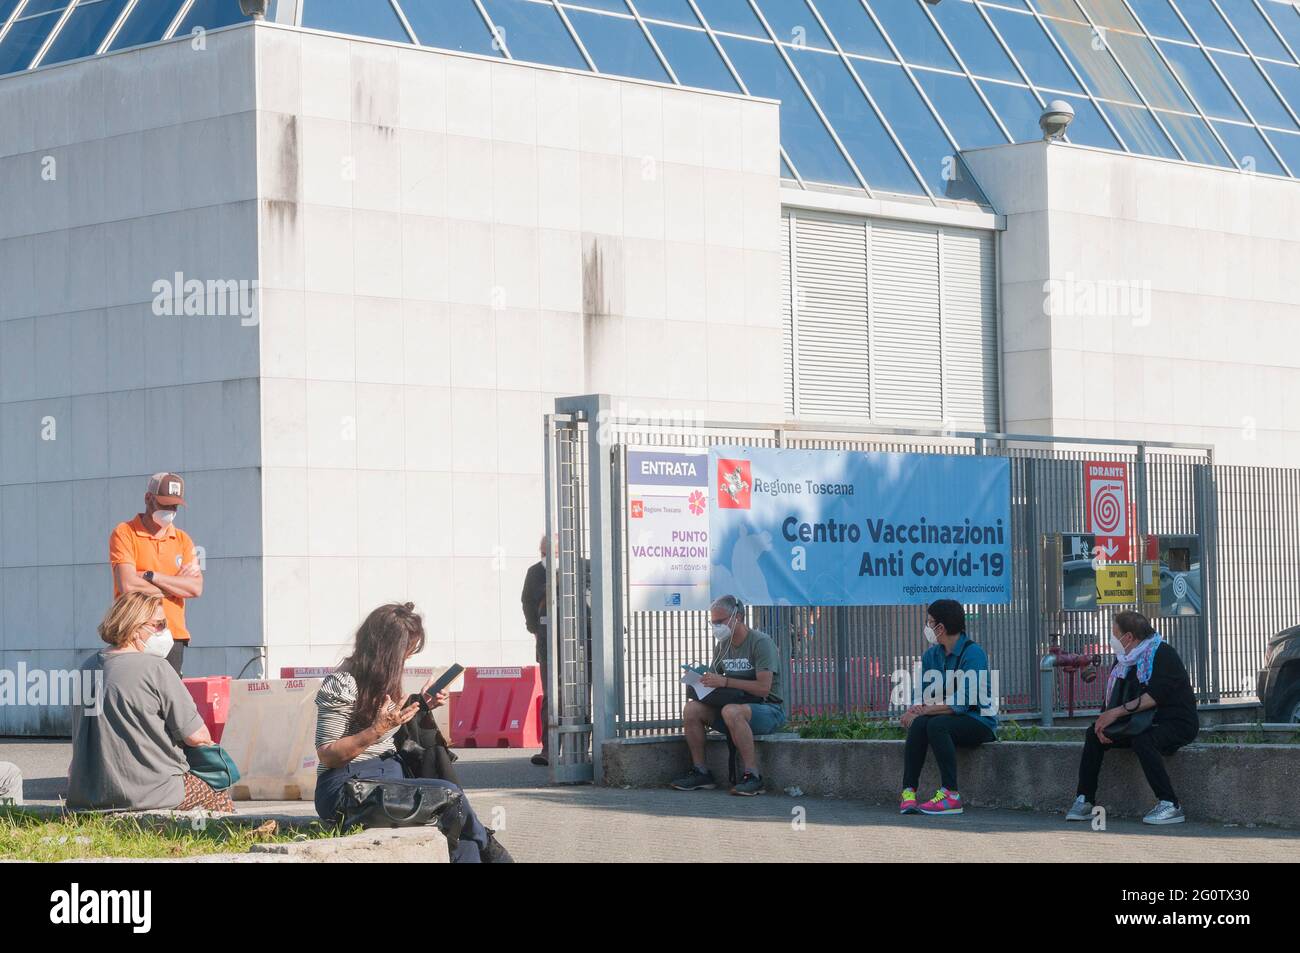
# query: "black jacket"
1171,687
533,598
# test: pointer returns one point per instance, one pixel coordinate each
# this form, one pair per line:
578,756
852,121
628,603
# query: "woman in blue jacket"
955,680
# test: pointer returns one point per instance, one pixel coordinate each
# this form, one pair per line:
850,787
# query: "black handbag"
1133,724
424,753
382,802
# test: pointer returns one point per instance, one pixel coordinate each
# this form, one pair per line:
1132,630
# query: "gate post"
1209,664
594,409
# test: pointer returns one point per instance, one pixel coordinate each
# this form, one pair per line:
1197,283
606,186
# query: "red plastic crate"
212,697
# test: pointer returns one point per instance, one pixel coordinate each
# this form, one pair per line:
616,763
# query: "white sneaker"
1080,810
1166,812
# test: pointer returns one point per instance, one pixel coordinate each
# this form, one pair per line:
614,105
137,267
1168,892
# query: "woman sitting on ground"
128,748
1147,675
359,710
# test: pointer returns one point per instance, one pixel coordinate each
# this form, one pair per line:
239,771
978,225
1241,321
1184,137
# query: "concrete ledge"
408,845
1231,784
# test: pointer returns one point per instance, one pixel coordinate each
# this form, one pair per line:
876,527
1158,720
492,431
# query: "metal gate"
840,659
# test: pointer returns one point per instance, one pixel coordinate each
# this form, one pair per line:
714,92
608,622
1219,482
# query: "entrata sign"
667,529
1106,502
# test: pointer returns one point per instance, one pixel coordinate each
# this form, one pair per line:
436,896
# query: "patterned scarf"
1143,655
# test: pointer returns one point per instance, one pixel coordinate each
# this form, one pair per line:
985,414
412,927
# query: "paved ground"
589,824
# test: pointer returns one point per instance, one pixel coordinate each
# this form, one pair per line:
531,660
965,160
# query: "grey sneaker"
697,780
1166,812
1080,810
749,785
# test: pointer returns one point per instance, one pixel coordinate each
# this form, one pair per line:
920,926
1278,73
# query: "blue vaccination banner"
842,528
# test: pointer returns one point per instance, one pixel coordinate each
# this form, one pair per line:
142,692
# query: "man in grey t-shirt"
129,755
746,675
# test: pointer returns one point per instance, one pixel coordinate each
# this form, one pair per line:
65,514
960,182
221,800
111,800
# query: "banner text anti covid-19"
830,528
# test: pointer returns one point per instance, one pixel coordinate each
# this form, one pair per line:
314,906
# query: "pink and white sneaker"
907,802
943,802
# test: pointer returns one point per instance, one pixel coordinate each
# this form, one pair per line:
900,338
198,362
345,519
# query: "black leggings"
1150,747
942,733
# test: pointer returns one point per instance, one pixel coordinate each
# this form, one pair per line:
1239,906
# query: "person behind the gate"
954,717
745,699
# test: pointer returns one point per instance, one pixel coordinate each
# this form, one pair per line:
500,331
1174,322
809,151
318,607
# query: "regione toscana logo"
735,484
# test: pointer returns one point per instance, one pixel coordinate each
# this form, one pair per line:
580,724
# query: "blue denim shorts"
764,718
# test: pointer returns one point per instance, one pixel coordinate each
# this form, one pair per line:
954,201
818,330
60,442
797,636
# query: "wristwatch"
148,576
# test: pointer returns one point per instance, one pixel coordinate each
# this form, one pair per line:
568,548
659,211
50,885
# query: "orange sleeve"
120,550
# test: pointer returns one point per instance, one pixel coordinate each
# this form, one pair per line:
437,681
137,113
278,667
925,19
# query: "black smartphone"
425,701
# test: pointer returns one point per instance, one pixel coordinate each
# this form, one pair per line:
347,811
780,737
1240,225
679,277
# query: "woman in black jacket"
1147,683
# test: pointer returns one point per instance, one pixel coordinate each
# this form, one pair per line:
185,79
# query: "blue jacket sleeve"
969,686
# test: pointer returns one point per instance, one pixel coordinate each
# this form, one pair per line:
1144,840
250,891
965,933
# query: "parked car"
1279,679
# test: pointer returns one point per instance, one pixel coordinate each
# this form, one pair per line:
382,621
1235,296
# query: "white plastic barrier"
271,734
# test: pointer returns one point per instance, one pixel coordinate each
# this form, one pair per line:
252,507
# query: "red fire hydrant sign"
1106,503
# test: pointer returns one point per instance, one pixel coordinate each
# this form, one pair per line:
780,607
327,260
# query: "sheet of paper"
695,680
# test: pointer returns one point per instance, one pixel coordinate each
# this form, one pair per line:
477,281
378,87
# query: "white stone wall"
1212,355
115,173
448,243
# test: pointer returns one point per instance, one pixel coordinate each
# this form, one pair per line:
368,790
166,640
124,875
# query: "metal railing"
842,659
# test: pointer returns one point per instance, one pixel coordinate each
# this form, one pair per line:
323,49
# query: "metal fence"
842,659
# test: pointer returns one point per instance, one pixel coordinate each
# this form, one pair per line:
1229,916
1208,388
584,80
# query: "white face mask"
1116,646
165,517
721,631
930,635
159,644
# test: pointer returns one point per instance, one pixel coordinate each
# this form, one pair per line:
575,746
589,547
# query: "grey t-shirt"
129,756
756,654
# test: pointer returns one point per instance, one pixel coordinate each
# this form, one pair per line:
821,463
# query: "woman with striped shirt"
358,711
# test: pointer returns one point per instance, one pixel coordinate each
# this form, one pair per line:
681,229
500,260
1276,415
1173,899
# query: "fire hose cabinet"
1172,580
1069,573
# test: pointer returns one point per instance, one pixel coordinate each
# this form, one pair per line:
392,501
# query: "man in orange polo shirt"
149,554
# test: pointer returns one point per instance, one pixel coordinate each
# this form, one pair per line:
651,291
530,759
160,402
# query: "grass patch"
25,835
1021,731
853,727
860,726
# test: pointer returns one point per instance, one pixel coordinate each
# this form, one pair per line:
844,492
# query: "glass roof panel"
1034,50
24,40
805,138
861,131
851,25
969,32
617,45
374,18
84,31
1254,29
694,58
674,11
1160,19
534,31
1249,147
147,22
450,25
913,33
916,127
793,22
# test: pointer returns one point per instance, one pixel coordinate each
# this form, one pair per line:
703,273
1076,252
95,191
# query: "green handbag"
212,765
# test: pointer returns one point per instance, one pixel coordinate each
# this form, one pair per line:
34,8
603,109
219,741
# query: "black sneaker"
697,780
539,760
749,785
495,852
